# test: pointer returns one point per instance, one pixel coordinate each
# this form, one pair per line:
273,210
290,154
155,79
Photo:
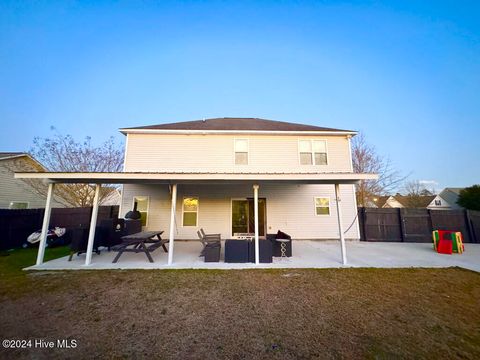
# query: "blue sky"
407,74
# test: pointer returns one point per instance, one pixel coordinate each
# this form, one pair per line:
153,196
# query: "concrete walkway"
306,254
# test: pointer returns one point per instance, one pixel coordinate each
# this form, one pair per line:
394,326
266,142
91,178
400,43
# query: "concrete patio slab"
306,254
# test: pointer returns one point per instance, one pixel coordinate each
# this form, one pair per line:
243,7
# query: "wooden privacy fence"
416,225
17,225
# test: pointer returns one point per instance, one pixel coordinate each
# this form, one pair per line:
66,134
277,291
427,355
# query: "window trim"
148,207
235,152
312,151
329,205
198,211
15,201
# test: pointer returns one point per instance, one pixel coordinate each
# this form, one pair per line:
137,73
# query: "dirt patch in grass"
261,314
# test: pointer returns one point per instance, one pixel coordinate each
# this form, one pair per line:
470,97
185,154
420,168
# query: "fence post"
400,220
364,223
402,224
430,220
471,231
361,222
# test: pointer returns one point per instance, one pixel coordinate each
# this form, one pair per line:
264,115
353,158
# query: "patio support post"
93,225
172,224
255,207
46,221
340,223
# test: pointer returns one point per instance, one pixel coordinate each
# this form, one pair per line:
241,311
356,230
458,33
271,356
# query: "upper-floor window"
241,152
190,211
313,152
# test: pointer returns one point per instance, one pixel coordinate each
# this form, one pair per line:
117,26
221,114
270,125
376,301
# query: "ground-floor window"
18,205
142,203
190,211
322,206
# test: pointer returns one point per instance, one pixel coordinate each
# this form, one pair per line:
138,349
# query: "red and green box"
453,236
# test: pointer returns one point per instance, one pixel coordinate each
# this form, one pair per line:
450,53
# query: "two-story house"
446,200
241,147
234,176
19,193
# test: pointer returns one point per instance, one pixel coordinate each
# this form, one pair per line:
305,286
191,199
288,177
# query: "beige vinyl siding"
12,189
290,208
159,152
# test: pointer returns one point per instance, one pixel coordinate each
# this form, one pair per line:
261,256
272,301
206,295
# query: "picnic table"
137,243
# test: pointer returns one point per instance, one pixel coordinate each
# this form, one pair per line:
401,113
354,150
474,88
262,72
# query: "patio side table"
283,247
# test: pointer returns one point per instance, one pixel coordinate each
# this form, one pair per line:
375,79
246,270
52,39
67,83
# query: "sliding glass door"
243,219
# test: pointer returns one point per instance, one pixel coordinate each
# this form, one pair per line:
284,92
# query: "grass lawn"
241,314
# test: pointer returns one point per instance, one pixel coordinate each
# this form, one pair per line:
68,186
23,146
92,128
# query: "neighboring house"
402,201
19,193
386,202
113,196
446,200
241,146
419,202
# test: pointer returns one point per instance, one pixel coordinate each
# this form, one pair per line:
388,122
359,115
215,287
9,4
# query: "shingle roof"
381,200
450,195
10,154
239,124
454,190
417,201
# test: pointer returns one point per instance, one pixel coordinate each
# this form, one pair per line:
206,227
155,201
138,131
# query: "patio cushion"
236,251
282,235
266,251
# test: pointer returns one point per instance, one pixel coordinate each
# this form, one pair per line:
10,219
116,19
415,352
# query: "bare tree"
62,153
415,192
366,160
416,188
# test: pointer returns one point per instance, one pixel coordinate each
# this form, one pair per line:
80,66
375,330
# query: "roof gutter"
136,177
14,157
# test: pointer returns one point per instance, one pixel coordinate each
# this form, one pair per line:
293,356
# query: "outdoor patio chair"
209,235
211,252
208,239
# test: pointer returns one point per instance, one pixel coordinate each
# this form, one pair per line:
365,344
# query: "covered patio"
307,254
184,257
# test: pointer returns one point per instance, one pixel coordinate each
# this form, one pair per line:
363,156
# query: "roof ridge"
236,124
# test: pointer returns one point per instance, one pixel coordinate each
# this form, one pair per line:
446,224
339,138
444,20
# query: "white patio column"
46,221
93,224
255,207
340,223
172,224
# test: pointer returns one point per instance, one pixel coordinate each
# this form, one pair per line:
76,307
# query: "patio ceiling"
194,177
